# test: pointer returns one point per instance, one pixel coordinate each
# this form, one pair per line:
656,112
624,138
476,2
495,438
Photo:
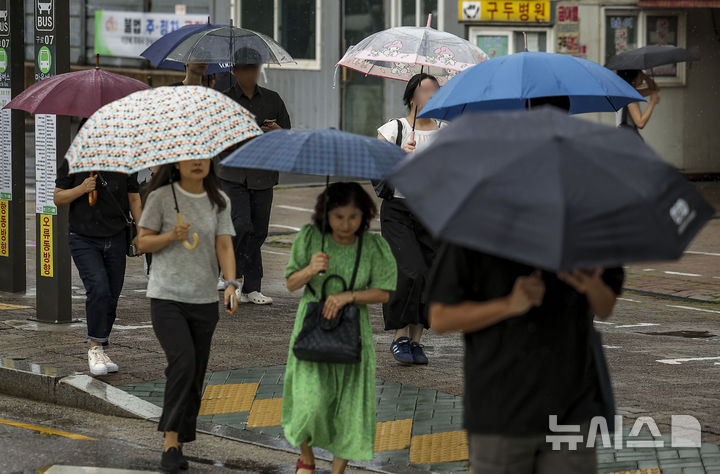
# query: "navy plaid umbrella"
318,152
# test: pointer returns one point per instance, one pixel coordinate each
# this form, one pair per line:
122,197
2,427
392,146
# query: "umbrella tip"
429,20
97,60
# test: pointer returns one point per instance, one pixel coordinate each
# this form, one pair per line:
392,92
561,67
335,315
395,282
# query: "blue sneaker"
419,357
401,350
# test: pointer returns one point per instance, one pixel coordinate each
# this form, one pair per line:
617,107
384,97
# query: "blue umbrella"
160,49
505,83
318,152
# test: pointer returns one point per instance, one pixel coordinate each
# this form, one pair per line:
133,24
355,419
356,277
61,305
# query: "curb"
23,379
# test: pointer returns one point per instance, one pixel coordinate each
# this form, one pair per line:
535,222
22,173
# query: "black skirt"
414,250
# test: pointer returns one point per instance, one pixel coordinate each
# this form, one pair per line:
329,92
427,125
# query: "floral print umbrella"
400,53
159,126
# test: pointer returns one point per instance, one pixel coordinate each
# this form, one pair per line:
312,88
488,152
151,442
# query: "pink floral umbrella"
400,53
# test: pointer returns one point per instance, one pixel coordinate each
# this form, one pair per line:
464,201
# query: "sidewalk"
419,408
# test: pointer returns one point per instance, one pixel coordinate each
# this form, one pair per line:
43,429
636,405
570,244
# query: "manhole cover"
687,334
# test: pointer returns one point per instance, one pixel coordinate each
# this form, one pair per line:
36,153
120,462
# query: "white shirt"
422,137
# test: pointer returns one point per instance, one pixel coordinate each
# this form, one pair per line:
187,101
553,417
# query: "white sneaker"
96,361
111,366
255,297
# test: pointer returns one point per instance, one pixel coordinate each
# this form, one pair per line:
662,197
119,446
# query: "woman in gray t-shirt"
182,287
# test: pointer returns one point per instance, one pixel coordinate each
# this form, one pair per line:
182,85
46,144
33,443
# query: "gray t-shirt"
178,273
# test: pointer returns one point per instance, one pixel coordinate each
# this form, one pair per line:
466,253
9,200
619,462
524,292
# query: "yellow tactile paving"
393,435
654,470
265,413
439,447
232,398
12,306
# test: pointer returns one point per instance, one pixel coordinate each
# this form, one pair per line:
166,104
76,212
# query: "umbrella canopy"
159,126
506,82
158,51
400,53
551,191
318,152
650,56
218,45
78,94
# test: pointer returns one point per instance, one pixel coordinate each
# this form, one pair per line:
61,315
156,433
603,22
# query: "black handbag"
334,340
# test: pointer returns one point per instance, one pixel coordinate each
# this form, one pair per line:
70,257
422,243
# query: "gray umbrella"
551,191
649,57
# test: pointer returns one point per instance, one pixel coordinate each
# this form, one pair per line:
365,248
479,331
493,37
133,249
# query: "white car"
44,7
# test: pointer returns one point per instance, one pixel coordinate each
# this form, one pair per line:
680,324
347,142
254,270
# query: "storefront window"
293,24
662,30
620,34
494,45
536,41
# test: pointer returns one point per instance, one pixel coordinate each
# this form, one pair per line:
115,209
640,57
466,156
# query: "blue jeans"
101,264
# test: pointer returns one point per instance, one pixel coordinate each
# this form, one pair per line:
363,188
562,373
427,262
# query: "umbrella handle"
92,195
196,239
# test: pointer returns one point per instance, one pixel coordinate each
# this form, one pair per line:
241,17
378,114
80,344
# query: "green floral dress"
332,406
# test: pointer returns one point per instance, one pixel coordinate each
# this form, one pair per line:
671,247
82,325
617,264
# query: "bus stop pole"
12,149
52,139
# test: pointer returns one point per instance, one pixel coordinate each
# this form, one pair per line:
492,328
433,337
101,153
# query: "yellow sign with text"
509,11
46,245
4,228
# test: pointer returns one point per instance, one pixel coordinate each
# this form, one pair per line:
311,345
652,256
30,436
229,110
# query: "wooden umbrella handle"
92,195
196,238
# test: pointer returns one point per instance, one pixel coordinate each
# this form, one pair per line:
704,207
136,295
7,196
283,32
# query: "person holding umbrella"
99,208
332,405
251,191
533,252
180,129
631,116
413,246
184,309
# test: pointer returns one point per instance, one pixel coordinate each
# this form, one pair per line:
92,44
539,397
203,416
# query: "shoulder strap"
398,139
355,270
128,220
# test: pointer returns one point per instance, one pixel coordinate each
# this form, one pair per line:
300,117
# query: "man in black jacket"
251,191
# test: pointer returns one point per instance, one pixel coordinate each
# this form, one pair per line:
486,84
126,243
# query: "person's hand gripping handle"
195,237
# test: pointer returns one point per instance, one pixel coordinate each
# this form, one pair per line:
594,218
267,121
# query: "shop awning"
679,3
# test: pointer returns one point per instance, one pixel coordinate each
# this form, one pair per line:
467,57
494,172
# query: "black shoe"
184,466
172,460
419,357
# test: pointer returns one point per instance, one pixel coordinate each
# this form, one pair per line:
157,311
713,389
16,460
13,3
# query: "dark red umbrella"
78,94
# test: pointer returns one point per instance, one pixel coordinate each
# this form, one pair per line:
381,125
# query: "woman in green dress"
326,405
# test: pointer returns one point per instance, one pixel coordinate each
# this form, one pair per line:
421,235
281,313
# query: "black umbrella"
550,190
649,57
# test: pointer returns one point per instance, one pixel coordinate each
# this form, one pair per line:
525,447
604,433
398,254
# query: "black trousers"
414,250
250,211
185,333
